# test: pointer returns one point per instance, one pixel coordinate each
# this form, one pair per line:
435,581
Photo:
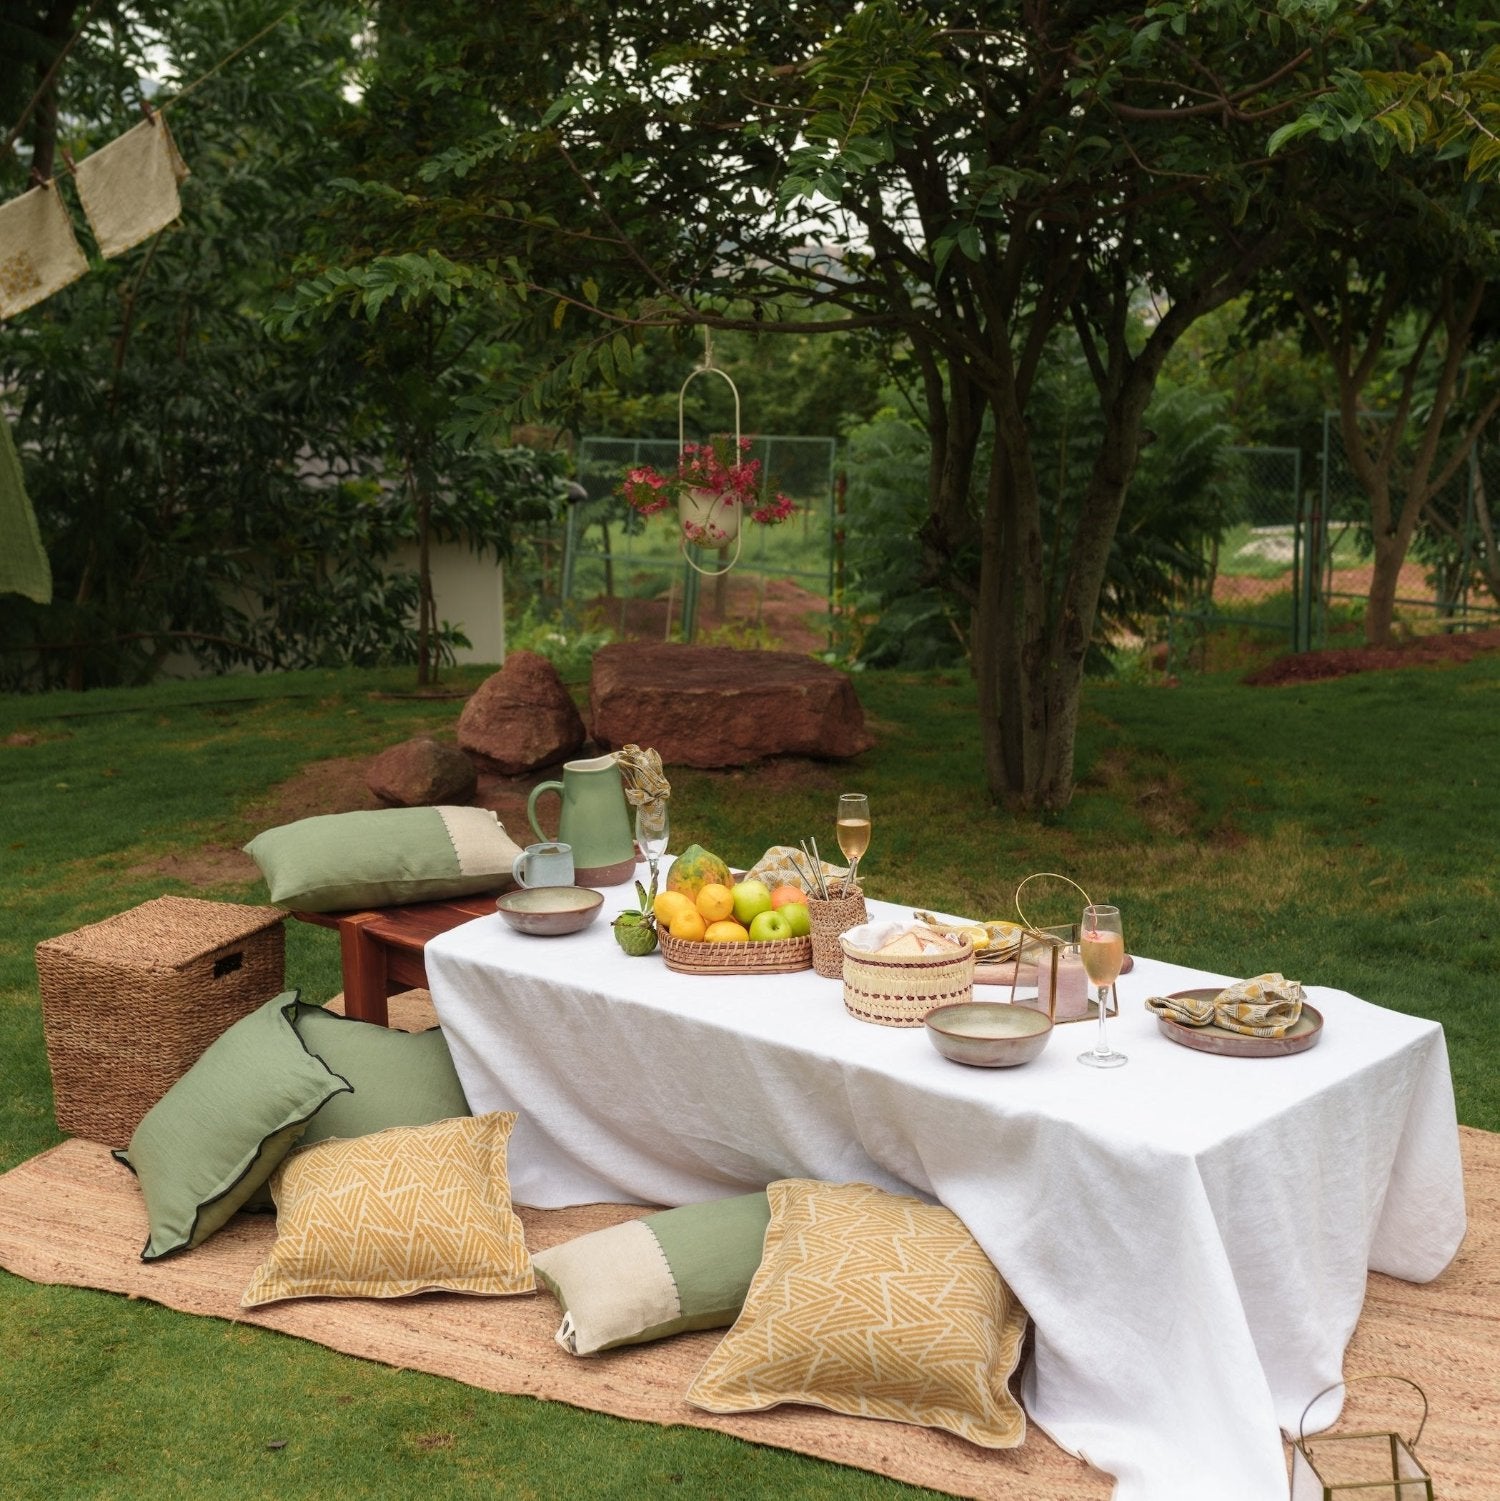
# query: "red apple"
788,893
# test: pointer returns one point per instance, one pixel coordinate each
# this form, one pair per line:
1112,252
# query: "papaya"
696,868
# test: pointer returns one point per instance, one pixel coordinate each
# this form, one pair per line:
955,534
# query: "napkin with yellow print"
1266,1006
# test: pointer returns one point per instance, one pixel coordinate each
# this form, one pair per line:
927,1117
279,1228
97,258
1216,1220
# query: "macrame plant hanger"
709,368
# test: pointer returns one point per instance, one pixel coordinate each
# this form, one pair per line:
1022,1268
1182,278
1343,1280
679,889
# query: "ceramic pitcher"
594,820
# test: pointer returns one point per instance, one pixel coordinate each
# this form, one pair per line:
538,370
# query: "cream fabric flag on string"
39,253
129,188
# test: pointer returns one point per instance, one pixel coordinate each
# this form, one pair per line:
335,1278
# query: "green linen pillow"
338,862
682,1269
397,1078
221,1130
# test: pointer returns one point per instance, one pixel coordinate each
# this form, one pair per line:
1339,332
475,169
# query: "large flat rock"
713,706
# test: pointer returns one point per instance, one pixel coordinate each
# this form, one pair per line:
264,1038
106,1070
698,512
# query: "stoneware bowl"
988,1034
549,911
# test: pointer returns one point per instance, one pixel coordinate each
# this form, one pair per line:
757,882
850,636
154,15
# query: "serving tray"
1304,1033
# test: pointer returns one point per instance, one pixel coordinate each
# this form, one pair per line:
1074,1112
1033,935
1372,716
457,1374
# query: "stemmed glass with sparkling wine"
1102,941
652,829
853,831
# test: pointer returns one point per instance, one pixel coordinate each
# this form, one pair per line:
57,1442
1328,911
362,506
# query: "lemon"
715,902
668,904
688,925
726,931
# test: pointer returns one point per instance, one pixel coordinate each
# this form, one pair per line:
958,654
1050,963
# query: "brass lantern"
1372,1465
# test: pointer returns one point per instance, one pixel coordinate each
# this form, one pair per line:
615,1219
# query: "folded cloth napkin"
1267,1006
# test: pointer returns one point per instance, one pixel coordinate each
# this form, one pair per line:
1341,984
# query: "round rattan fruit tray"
776,957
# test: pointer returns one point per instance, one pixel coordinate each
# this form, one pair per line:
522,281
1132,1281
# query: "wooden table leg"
364,964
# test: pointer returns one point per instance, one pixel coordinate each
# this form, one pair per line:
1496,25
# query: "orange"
726,932
688,925
668,904
715,902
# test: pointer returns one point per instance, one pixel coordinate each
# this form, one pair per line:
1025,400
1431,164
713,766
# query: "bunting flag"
129,187
24,568
39,252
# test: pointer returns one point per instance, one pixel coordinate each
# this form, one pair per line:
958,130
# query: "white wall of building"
469,591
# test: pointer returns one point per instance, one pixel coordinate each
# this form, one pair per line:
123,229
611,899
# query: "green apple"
797,918
769,925
751,898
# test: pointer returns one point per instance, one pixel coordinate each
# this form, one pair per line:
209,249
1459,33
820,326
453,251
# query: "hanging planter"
716,488
708,518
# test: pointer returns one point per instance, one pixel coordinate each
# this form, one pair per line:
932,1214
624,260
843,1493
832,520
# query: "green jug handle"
536,792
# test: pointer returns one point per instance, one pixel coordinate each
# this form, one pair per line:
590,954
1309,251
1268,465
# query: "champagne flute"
652,829
854,832
1102,942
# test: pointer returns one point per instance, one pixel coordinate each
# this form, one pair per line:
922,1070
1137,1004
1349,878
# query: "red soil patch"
742,609
1424,651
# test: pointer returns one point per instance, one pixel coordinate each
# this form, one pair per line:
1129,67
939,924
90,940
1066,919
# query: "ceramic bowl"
988,1034
550,911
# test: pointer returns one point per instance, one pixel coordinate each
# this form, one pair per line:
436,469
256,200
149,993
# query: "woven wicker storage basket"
777,956
129,1004
899,990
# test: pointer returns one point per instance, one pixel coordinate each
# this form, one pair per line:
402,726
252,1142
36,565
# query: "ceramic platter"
1211,1039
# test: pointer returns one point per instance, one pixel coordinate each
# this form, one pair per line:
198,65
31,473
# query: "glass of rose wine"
1102,941
853,831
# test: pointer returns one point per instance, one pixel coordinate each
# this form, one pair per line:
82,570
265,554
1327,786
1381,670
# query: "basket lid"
167,931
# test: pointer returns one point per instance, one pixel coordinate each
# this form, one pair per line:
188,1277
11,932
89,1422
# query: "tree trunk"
1385,581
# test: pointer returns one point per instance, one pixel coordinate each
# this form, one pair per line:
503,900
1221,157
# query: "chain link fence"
630,571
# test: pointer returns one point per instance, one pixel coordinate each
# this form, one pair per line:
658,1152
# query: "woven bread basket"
898,990
777,956
129,1004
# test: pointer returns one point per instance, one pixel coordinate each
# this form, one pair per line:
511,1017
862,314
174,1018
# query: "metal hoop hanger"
709,368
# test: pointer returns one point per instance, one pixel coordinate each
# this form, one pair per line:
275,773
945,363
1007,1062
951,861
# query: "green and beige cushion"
409,1210
205,1148
876,1305
681,1269
339,862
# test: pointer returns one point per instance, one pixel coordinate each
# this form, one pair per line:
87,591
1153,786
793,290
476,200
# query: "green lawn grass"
1342,832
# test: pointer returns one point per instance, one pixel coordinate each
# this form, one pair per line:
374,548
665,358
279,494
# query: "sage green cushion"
681,1269
340,862
399,1078
221,1130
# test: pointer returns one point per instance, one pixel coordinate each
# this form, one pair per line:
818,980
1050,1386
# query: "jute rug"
74,1216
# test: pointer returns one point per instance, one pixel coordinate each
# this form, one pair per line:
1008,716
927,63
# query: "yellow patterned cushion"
407,1210
877,1305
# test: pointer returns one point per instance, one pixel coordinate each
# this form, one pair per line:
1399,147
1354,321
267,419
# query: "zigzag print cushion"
876,1305
408,1210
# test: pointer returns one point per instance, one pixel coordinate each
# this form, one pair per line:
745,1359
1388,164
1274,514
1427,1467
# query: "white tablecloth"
1189,1233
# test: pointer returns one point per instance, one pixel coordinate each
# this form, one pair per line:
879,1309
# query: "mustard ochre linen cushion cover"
382,857
876,1305
408,1210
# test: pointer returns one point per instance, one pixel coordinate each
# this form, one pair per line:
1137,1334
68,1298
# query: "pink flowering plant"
712,470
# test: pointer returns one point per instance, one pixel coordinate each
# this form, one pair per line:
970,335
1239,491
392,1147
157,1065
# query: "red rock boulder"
520,718
418,773
717,706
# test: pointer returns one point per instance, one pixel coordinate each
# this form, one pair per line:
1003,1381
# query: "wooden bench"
382,950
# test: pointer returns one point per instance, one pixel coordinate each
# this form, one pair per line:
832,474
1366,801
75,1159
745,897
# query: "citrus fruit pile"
703,903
